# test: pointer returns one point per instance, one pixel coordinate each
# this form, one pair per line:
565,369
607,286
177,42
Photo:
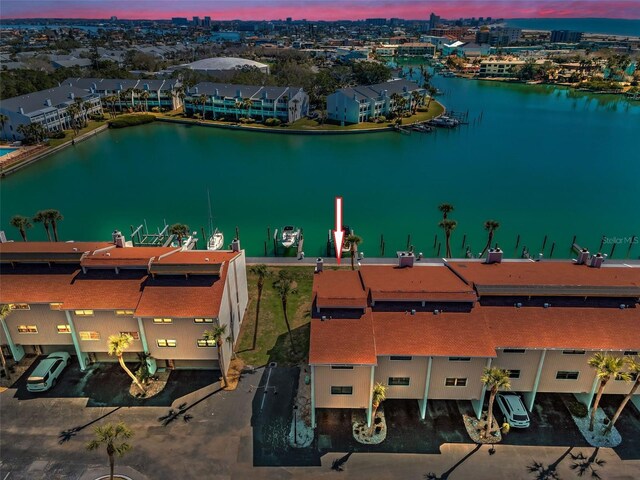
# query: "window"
398,381
203,320
166,342
84,313
399,358
89,335
341,390
135,335
124,313
63,328
55,306
27,329
19,306
563,375
513,350
459,359
162,320
630,353
573,352
455,382
514,373
204,342
341,367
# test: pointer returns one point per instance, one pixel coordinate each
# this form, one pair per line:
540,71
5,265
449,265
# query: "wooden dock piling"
408,241
601,244
553,246
439,245
464,240
518,241
573,242
265,248
237,233
544,243
435,240
613,249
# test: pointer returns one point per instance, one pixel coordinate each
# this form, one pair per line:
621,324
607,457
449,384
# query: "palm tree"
490,226
378,396
111,435
353,240
495,379
395,102
145,96
606,367
202,100
179,229
21,223
448,226
117,345
4,311
284,287
416,97
40,217
633,366
246,104
3,119
217,334
74,111
54,216
262,272
445,208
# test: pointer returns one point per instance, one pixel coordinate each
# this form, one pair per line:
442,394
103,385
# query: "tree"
40,217
494,379
490,226
368,73
54,217
246,104
448,226
353,241
117,345
5,310
21,223
606,367
284,287
633,366
416,99
3,119
217,334
112,435
378,396
145,96
261,271
445,208
179,229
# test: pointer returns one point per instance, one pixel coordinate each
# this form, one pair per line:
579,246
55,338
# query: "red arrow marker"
338,233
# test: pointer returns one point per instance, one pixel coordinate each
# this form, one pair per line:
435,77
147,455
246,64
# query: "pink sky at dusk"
317,9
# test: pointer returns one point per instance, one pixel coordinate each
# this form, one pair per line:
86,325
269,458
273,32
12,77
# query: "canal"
542,161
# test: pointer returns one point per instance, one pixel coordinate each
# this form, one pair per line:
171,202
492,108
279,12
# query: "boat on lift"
216,238
290,236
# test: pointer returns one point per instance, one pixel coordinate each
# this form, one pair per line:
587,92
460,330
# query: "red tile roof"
127,256
419,283
342,341
35,283
197,257
100,290
54,247
339,288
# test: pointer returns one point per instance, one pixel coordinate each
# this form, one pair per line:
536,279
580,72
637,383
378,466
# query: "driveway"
628,425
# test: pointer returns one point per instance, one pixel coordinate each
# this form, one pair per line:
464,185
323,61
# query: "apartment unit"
499,68
48,108
428,330
72,296
415,49
359,104
287,104
145,94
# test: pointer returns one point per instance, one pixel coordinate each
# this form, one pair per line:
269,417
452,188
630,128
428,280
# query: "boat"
216,238
346,245
290,236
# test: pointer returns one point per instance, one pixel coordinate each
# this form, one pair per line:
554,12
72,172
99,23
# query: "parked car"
513,410
47,372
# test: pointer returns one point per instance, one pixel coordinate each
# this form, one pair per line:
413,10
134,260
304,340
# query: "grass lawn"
68,134
272,339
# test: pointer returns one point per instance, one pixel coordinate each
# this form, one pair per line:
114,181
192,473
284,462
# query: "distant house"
48,108
358,104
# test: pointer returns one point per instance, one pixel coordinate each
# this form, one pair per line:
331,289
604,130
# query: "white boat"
290,236
216,238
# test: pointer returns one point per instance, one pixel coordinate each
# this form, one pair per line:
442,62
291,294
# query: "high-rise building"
565,36
196,21
114,18
376,21
180,21
434,20
207,21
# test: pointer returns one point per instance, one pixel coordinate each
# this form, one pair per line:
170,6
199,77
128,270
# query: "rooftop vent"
622,306
319,265
413,311
108,254
75,249
436,312
583,256
517,305
546,305
406,259
206,259
596,260
494,255
323,318
48,102
72,95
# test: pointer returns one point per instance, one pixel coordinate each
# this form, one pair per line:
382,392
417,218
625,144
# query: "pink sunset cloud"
317,9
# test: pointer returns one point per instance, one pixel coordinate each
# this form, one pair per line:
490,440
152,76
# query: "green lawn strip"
69,135
272,343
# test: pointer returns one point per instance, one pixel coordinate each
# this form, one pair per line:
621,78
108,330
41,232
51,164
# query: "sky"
317,9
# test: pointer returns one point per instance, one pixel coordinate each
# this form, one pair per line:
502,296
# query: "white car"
513,410
47,372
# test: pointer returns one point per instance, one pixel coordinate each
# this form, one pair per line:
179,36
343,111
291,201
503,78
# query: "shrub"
97,118
57,135
272,122
131,120
578,409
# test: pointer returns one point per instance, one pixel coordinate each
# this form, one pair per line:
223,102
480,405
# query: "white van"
47,372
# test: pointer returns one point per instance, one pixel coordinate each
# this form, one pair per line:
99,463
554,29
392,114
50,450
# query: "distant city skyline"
318,9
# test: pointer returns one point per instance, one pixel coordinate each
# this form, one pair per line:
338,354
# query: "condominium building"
416,49
48,108
359,104
287,104
499,68
427,331
73,296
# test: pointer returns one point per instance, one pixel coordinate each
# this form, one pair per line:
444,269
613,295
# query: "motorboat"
290,236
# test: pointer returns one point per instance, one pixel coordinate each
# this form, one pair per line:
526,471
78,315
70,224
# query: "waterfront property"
219,100
499,68
48,108
361,103
73,296
136,94
428,330
412,49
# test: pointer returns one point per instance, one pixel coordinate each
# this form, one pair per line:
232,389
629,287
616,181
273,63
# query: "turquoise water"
613,26
541,161
5,151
